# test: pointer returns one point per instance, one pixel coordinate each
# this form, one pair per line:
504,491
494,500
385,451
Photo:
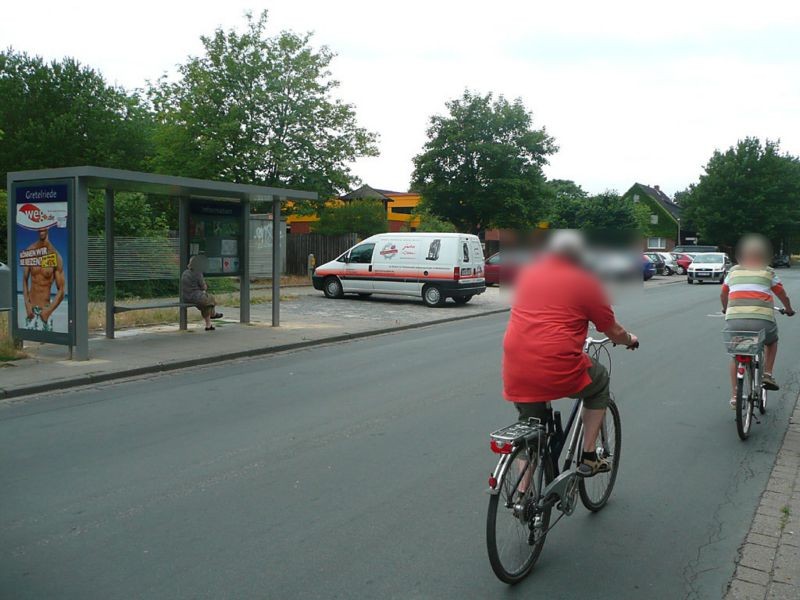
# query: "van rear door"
470,258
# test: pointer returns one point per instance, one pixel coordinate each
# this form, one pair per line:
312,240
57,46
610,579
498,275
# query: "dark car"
648,267
781,260
658,261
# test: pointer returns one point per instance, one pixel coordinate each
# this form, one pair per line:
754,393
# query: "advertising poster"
41,259
215,230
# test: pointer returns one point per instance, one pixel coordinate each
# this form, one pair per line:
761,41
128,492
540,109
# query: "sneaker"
768,382
590,468
733,403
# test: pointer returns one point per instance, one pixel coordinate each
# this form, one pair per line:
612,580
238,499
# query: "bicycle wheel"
595,490
744,403
515,534
762,393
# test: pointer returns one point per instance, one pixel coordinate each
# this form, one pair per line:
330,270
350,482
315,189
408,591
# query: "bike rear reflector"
492,481
744,359
501,447
740,370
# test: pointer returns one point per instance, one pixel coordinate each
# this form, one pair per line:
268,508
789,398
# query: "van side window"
362,254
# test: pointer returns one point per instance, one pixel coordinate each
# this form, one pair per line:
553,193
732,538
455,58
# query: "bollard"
312,263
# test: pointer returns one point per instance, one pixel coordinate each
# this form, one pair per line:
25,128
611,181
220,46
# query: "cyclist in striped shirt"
747,301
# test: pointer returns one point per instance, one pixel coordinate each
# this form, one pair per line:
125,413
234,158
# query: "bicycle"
526,484
747,348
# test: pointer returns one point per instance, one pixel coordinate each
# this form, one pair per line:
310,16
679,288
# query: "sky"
631,91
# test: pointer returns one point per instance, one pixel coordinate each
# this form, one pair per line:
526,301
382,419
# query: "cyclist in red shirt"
543,358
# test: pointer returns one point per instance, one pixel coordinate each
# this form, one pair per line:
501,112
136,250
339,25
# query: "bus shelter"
48,243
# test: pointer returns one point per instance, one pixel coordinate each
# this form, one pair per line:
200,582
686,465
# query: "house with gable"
665,217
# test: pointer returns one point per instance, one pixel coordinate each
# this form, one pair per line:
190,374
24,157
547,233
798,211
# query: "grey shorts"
595,395
770,328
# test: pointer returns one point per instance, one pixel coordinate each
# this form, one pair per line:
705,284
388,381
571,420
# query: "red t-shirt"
543,356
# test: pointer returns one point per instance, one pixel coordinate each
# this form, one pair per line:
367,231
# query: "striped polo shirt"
750,293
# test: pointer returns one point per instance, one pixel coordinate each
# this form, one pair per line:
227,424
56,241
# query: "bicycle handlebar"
590,341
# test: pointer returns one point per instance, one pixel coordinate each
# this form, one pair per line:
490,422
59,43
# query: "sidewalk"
769,560
307,319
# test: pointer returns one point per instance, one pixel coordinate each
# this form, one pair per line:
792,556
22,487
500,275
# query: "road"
358,470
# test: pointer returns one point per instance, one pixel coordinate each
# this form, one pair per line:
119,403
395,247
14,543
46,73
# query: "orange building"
399,209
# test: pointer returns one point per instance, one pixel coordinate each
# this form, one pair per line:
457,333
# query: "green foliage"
135,215
482,164
62,114
364,217
604,212
560,189
642,213
749,188
3,226
258,109
430,223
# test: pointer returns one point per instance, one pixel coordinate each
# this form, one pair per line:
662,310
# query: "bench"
122,309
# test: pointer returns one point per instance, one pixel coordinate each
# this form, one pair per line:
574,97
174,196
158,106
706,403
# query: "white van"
433,266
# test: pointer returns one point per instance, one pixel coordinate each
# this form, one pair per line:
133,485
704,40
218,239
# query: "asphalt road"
358,470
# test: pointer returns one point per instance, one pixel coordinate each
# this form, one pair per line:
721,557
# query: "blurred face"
43,235
753,257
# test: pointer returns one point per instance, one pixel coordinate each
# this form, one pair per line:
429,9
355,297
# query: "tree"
749,188
135,215
605,212
428,222
482,164
364,217
565,188
62,114
259,109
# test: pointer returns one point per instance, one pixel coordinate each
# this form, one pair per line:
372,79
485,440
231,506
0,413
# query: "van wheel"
462,299
333,288
432,296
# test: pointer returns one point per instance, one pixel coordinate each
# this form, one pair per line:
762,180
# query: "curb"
766,564
89,378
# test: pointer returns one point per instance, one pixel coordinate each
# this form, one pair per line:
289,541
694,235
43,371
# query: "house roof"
659,196
366,192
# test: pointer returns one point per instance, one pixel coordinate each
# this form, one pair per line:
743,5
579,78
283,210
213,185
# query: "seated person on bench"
195,291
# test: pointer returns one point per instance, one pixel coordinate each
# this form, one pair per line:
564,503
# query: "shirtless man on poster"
37,282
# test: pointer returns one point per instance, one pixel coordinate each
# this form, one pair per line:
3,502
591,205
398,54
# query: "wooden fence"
323,247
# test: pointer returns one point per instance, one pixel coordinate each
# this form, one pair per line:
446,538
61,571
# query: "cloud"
631,90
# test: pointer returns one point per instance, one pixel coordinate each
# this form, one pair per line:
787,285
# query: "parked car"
656,259
670,266
648,268
683,260
434,266
491,269
781,260
709,266
692,249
